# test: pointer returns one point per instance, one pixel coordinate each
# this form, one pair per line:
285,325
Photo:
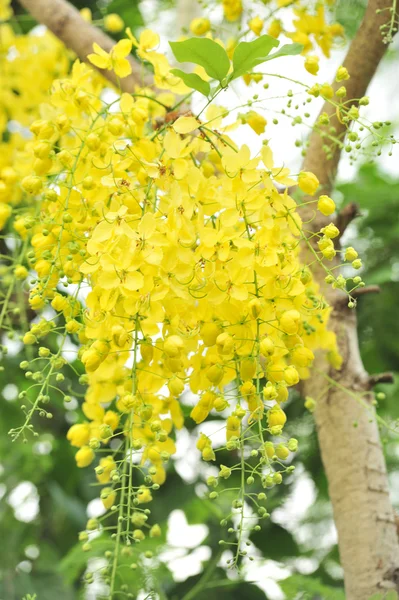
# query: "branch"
368,289
380,378
66,23
346,216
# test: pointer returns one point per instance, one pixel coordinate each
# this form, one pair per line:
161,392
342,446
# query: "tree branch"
66,22
348,433
381,378
367,289
346,216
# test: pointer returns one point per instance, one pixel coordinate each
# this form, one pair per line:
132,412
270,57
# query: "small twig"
368,289
380,378
346,216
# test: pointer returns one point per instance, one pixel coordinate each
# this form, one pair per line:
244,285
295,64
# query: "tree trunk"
347,429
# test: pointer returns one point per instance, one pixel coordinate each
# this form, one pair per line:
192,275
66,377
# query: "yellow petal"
102,62
126,103
173,145
267,157
122,48
98,50
180,168
149,39
122,67
133,281
147,225
185,124
131,37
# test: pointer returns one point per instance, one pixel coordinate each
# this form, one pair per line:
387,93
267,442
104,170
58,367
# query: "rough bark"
66,22
347,429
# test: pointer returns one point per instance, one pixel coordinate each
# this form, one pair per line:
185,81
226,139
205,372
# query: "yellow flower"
232,9
276,417
290,321
350,254
326,205
113,23
79,434
282,451
330,231
256,25
84,457
106,466
302,357
312,64
255,121
144,495
291,376
200,26
108,497
5,10
308,182
85,13
342,74
115,60
275,28
20,272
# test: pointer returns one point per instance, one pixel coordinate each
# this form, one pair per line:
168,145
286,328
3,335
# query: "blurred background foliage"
44,497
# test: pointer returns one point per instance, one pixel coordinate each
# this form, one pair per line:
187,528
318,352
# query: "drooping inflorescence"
169,257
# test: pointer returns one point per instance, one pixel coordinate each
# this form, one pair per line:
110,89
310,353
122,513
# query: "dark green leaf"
204,52
194,81
276,542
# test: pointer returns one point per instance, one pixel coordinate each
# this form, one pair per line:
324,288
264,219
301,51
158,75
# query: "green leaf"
310,585
287,50
283,545
249,54
204,52
194,81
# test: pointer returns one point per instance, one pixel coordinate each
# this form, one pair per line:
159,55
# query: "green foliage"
300,587
213,58
193,81
249,55
203,52
350,19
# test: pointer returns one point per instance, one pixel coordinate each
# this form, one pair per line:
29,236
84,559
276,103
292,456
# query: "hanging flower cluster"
20,101
171,257
309,25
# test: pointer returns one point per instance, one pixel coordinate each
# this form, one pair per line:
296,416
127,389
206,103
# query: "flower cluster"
171,258
20,101
310,25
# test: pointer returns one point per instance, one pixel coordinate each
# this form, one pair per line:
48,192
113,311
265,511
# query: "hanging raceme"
171,257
